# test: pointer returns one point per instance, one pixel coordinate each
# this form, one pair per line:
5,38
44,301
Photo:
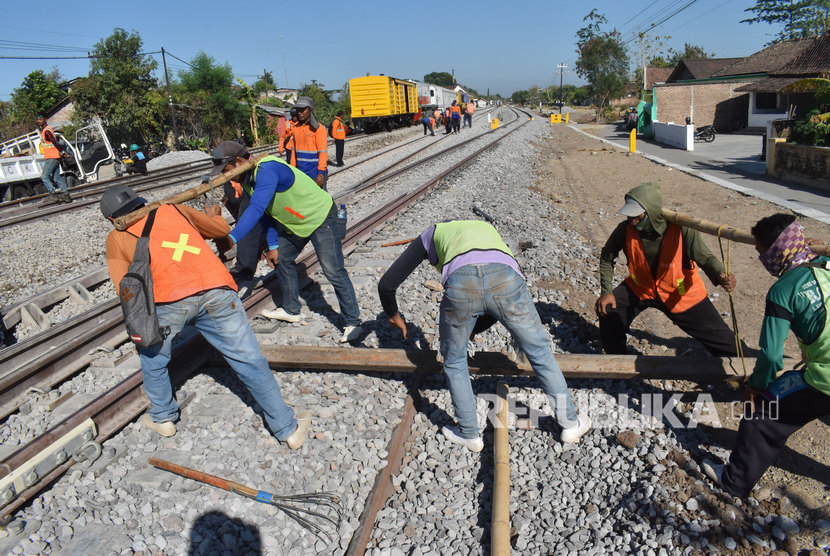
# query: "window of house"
766,101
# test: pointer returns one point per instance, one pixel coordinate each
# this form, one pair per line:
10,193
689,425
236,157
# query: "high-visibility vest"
679,288
337,129
817,354
181,262
302,207
48,148
457,237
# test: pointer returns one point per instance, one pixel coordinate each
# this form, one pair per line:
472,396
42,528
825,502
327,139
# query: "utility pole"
561,70
284,65
170,101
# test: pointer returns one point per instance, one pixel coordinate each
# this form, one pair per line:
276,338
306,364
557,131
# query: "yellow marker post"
494,123
567,119
632,141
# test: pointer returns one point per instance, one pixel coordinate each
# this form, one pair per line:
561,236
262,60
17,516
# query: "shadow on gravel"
216,533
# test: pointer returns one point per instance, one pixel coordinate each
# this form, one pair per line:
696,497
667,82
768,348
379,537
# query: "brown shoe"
295,441
163,429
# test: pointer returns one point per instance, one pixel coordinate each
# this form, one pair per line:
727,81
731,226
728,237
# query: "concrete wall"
705,103
801,164
680,136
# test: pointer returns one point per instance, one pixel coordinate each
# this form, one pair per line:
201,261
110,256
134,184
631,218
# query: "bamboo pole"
724,231
124,222
500,523
573,365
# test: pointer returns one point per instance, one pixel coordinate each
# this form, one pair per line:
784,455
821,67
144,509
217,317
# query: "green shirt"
794,302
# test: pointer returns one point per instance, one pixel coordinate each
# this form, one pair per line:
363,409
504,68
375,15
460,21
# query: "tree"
645,47
120,87
800,18
440,78
519,97
602,61
36,95
213,108
689,52
265,82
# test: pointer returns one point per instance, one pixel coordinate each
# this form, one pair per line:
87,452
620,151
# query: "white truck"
21,161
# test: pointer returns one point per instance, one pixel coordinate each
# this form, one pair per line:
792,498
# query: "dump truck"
21,162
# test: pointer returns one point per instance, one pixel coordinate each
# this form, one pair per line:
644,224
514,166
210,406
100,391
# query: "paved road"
731,161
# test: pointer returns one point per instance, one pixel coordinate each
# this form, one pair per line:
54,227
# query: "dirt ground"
587,179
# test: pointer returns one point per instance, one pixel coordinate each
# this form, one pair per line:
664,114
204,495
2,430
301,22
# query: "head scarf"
787,252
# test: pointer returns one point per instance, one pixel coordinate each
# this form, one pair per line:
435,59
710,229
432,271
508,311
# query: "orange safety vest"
48,148
181,262
679,288
337,129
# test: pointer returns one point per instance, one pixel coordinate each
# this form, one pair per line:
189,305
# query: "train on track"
380,102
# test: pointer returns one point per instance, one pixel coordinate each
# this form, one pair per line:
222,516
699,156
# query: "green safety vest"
817,374
302,207
457,237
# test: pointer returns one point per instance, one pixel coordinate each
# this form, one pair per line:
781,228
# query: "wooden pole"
124,222
500,523
726,232
573,365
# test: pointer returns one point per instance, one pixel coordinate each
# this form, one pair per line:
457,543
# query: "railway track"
127,396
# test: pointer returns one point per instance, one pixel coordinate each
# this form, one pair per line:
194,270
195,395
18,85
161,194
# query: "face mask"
643,225
787,252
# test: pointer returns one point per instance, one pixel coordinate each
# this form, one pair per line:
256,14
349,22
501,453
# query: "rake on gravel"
294,506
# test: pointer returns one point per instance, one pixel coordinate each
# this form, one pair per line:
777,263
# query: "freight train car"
432,96
381,102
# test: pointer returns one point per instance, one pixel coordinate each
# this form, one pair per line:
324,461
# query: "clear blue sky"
504,46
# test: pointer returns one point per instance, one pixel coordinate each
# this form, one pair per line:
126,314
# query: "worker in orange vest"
456,117
287,140
53,151
468,114
338,132
663,261
310,143
192,287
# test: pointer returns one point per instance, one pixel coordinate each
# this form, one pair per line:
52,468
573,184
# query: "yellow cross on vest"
180,247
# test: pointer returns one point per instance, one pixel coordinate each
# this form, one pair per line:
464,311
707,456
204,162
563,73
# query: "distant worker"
447,121
468,114
456,117
53,152
338,132
781,405
286,142
293,210
482,285
138,161
663,274
436,114
310,142
428,125
192,287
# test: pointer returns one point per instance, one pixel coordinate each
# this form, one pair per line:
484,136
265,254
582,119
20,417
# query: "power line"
668,17
88,56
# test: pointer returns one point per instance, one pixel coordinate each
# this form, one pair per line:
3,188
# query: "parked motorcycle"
705,133
119,164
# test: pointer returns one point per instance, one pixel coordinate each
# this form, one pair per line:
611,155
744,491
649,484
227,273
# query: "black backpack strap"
824,265
149,224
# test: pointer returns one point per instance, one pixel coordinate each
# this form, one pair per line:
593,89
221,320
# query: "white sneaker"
295,441
351,333
281,314
712,470
574,433
473,444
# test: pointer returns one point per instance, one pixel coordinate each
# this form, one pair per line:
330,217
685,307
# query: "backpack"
136,294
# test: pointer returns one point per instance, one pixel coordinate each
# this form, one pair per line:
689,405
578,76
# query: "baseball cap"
119,200
225,152
631,208
304,102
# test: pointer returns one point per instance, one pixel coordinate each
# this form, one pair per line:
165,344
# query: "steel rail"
13,212
114,409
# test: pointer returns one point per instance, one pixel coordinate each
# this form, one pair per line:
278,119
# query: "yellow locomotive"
381,102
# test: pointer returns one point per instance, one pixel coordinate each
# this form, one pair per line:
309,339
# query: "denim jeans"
496,290
219,315
53,166
326,241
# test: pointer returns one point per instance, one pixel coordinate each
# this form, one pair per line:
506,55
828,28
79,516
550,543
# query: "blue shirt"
272,178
